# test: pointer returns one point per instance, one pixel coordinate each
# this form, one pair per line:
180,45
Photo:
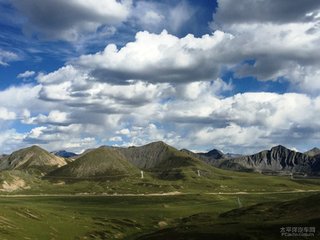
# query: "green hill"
157,159
164,161
158,155
103,162
31,158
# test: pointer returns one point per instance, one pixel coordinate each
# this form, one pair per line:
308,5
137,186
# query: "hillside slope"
158,155
262,221
313,152
103,162
31,158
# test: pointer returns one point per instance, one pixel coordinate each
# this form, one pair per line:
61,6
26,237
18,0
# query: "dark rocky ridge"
64,154
215,154
278,159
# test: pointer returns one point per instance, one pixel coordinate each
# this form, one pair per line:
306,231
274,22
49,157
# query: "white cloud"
116,139
23,99
60,137
233,136
124,131
159,58
5,114
26,74
140,135
161,87
281,36
7,56
148,15
10,140
194,90
54,117
191,116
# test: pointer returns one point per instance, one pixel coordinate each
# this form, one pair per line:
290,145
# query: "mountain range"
157,158
278,159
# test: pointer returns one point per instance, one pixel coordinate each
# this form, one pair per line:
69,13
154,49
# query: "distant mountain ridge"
158,156
65,154
277,159
215,154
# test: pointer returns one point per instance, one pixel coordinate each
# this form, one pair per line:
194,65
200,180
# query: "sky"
239,76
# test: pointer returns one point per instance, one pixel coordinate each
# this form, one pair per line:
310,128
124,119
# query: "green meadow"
201,209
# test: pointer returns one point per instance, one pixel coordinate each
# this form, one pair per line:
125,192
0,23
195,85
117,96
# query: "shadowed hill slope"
261,221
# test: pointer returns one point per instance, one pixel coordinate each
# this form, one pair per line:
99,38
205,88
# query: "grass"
114,217
211,180
196,214
260,221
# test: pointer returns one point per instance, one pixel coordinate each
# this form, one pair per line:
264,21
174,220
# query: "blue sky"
196,74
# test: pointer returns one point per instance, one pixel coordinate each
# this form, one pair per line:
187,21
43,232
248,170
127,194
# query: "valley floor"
162,216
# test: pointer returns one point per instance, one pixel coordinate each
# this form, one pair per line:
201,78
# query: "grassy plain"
101,208
133,217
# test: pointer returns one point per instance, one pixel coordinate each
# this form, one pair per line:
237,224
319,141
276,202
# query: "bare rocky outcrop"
14,184
277,159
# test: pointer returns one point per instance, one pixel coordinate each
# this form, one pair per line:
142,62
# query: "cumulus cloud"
68,20
191,116
5,114
19,98
60,137
74,88
162,87
54,117
281,37
159,58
